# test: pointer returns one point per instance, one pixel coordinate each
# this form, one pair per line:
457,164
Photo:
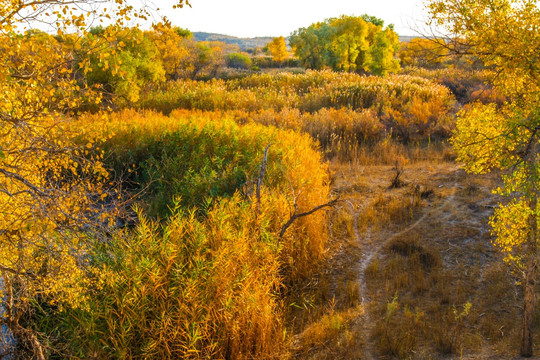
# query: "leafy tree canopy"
347,43
505,36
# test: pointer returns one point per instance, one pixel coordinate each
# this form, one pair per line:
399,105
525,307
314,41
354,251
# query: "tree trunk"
528,310
532,250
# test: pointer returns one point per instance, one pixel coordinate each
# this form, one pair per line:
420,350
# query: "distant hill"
406,38
249,43
243,43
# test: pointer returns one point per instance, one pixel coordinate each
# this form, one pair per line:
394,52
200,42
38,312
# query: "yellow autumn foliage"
197,155
203,282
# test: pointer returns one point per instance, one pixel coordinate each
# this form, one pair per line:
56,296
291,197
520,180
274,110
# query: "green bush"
239,60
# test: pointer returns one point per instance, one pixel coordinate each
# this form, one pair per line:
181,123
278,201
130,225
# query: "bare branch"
260,179
296,216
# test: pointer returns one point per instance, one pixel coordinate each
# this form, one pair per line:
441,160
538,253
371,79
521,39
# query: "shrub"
193,288
198,157
239,60
206,279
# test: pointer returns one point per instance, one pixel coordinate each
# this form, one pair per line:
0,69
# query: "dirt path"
368,249
370,246
452,220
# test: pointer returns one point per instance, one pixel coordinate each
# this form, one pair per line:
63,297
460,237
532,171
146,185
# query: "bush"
198,158
410,108
206,278
239,61
194,288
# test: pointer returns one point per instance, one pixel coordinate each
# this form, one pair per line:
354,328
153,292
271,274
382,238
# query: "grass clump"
189,288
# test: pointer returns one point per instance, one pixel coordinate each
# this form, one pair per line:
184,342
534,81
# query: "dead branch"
295,215
260,179
396,180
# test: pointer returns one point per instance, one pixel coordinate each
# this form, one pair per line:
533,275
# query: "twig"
296,216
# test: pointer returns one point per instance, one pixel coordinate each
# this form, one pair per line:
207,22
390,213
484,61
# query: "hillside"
243,43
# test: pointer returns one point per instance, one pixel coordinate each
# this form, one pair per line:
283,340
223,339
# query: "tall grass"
205,276
195,157
190,289
343,111
310,92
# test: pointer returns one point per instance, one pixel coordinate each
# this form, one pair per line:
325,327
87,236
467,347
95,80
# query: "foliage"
128,62
208,281
239,60
197,157
503,34
408,107
193,288
426,53
172,45
278,49
506,133
49,185
207,58
380,57
465,84
347,43
265,62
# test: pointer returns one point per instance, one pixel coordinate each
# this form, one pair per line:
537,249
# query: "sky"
251,18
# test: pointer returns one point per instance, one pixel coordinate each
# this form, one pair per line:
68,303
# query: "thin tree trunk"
532,250
528,311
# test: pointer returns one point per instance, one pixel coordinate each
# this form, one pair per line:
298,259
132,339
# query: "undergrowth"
206,270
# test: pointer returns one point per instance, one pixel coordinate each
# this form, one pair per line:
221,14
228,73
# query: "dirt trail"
453,216
368,250
370,246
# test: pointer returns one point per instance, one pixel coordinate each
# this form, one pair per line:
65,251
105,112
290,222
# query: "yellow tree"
380,56
505,35
51,184
278,49
170,43
428,53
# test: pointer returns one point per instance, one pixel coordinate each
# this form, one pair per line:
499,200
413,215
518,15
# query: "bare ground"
411,271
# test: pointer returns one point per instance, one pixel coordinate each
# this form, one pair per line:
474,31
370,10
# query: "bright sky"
250,18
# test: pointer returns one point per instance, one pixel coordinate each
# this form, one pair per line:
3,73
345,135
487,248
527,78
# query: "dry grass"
419,258
337,334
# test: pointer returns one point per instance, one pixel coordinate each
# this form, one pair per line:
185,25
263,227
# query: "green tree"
183,33
309,46
504,35
381,59
132,62
372,19
208,56
347,43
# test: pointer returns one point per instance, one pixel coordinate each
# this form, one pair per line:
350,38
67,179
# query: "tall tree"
345,43
170,44
381,59
49,182
349,42
505,35
309,45
133,61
